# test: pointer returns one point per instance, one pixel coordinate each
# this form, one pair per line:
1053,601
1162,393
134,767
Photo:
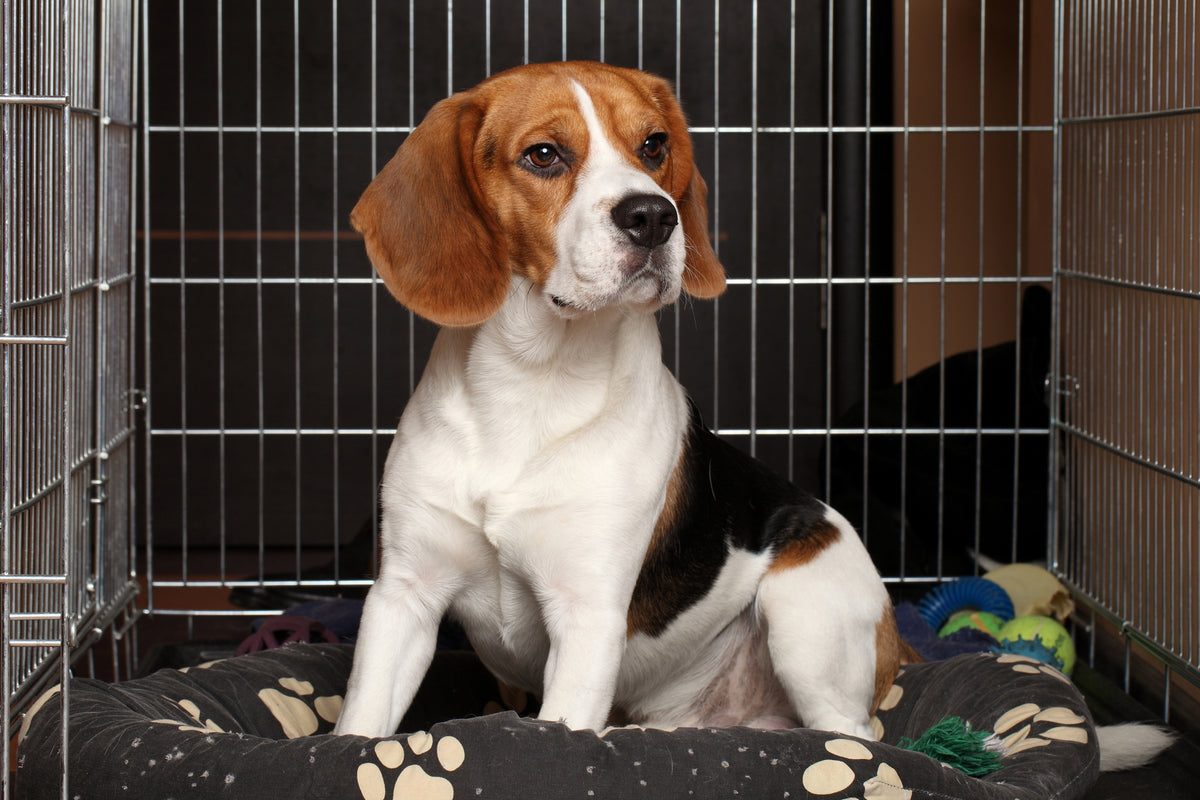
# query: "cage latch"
1063,386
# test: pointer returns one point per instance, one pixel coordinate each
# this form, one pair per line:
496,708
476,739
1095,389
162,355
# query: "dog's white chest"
533,479
503,621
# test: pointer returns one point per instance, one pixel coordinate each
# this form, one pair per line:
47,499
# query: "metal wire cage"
66,327
869,235
962,302
1127,419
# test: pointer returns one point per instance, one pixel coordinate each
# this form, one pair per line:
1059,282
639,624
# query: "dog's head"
577,176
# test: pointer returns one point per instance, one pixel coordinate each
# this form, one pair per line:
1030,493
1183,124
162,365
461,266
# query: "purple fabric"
278,631
925,640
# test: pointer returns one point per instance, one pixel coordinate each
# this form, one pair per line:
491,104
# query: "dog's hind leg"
822,603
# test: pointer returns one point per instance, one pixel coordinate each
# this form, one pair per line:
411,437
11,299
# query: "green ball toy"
979,620
1039,637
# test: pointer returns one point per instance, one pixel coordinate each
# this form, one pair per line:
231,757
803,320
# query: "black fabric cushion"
258,726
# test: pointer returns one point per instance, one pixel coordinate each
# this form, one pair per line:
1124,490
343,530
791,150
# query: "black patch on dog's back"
726,500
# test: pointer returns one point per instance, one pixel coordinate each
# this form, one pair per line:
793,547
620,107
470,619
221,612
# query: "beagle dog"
550,485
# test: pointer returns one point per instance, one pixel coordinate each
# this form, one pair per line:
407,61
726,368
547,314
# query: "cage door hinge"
98,483
137,399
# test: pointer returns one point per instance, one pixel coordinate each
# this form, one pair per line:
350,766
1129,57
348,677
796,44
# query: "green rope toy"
953,743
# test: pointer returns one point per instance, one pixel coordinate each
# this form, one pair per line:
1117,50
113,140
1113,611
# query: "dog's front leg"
587,643
396,642
398,632
586,557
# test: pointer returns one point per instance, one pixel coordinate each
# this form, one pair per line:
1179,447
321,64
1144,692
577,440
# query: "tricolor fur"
551,486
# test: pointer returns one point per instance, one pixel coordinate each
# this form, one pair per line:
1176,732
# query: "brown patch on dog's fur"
799,552
641,609
672,505
890,653
909,654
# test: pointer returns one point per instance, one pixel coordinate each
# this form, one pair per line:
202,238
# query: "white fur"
501,501
596,265
1131,745
521,493
663,678
835,638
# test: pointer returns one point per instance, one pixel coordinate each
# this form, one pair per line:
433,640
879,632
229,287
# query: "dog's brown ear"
703,275
426,226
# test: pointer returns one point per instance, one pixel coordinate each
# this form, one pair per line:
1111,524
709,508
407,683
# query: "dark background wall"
278,369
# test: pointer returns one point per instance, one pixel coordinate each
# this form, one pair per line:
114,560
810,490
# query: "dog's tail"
1131,745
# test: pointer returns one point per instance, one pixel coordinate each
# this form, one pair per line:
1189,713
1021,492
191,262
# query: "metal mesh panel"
891,184
880,177
1129,321
67,335
36,200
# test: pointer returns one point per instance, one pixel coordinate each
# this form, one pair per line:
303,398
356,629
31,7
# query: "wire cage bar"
925,208
67,337
839,145
1127,420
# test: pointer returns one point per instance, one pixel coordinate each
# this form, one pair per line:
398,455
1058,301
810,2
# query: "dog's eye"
542,156
654,149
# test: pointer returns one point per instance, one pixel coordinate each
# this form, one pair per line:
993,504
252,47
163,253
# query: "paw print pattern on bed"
1043,725
832,776
173,718
298,712
413,780
1057,723
194,722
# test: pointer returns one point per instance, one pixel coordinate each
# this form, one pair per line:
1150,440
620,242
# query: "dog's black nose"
648,219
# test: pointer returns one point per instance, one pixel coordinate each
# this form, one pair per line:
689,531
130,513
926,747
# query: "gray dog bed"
258,726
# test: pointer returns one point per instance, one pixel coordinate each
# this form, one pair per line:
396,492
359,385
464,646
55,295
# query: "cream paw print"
33,710
296,708
834,776
193,721
413,782
1029,725
885,785
890,700
205,665
1024,665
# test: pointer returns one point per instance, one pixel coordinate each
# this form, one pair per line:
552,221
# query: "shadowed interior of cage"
879,192
1128,413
